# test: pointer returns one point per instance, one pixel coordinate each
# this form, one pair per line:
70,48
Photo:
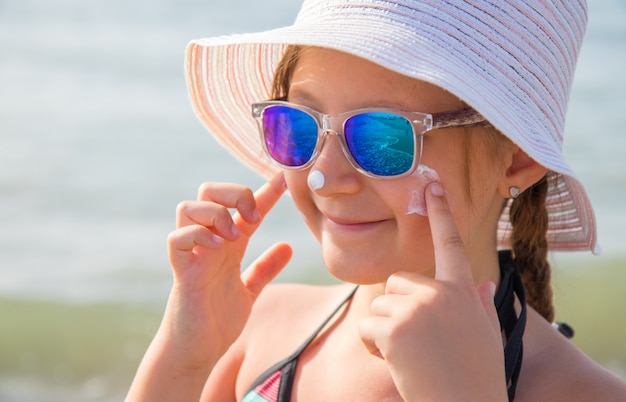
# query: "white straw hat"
512,61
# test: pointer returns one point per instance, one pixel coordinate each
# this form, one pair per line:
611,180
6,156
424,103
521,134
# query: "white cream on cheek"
422,176
316,180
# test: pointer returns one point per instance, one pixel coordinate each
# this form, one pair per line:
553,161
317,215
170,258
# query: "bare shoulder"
554,369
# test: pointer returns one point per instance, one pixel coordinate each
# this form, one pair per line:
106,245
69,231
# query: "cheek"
409,196
298,187
422,176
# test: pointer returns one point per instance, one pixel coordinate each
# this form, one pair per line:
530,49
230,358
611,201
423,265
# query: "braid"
529,218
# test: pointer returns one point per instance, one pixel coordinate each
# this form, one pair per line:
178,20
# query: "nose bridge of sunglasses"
328,130
327,122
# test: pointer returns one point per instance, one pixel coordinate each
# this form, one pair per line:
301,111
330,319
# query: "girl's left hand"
439,336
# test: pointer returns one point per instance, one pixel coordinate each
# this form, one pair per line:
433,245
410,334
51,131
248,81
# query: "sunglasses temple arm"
459,118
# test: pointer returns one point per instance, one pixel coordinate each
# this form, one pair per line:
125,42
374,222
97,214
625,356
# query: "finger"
451,262
265,198
402,283
383,306
369,331
213,216
265,268
182,241
231,195
487,291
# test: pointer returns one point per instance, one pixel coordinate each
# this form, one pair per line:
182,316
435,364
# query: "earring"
514,191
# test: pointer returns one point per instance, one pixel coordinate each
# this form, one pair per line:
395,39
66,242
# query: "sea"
98,144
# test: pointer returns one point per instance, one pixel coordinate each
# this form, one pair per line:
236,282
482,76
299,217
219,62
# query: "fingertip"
217,240
436,189
234,231
251,216
435,197
249,211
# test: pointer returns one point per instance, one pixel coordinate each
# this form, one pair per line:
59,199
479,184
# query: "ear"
521,171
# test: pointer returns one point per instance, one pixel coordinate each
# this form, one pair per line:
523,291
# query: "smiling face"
362,223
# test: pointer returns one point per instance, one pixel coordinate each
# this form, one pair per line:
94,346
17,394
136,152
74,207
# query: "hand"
211,299
439,336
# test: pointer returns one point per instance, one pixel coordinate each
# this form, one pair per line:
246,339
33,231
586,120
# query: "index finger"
451,263
265,197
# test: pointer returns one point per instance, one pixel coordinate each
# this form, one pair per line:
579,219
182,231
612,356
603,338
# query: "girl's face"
362,223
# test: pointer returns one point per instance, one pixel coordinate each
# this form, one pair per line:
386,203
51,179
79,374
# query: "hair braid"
529,218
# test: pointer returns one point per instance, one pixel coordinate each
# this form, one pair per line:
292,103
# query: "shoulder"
555,369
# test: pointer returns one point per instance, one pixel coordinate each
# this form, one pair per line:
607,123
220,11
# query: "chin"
365,269
360,270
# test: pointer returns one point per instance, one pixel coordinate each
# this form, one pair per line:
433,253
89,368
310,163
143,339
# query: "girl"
421,141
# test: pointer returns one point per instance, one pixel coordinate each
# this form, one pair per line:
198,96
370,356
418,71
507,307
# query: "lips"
352,223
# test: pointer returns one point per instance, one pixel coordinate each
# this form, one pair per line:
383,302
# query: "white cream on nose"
316,180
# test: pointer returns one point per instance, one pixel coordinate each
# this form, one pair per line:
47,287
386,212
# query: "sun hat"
512,61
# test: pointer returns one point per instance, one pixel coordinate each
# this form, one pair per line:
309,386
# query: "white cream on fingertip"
417,201
316,180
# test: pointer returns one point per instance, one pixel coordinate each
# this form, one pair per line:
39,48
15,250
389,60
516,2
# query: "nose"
339,175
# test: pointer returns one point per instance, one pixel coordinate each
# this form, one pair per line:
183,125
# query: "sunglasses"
378,142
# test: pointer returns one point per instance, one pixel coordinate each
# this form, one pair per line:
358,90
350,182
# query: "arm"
210,300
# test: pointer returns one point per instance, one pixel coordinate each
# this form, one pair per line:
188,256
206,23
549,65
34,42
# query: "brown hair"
284,72
528,214
529,218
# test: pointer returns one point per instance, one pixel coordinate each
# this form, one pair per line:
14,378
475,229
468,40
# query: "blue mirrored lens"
290,135
381,143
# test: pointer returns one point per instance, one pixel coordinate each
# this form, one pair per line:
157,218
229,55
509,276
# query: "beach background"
98,144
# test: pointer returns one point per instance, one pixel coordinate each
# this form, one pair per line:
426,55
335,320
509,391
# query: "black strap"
289,364
513,326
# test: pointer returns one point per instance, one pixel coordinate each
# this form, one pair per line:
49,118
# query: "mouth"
353,225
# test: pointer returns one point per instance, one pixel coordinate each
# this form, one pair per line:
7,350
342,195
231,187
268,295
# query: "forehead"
325,76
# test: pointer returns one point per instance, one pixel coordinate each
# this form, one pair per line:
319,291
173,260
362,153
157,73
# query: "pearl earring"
514,191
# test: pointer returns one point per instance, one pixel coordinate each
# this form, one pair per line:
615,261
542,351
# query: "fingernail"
217,240
234,231
437,190
255,216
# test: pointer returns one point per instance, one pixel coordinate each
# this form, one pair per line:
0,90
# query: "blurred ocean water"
98,144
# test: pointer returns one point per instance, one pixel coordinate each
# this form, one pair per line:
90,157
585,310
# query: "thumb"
487,291
265,268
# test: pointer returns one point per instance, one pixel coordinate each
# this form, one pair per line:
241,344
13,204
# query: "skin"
422,325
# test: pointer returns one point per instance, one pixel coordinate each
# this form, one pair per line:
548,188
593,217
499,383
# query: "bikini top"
276,383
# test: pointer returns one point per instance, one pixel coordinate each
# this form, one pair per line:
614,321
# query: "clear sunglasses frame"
421,123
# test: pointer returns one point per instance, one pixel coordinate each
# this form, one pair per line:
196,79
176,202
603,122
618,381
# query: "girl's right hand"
211,299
